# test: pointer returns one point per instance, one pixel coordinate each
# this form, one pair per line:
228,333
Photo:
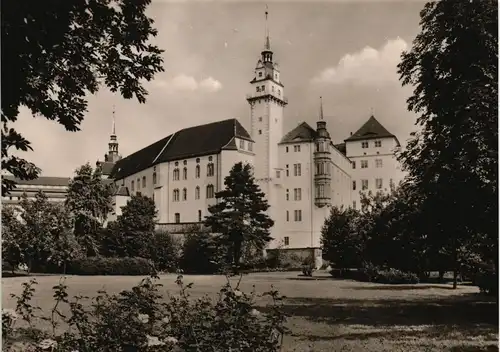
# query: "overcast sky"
346,51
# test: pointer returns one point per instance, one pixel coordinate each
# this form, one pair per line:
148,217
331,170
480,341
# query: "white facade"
288,168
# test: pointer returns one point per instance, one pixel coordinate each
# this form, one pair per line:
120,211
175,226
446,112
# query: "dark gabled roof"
106,167
341,148
122,191
371,129
41,181
301,133
187,143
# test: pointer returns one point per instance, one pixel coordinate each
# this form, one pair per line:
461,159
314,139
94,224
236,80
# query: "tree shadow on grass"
402,287
458,317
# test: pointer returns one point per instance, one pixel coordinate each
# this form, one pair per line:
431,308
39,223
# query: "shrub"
110,266
308,266
371,273
141,320
200,254
166,251
487,281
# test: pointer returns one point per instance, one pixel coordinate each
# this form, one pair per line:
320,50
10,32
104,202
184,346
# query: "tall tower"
322,163
267,103
113,155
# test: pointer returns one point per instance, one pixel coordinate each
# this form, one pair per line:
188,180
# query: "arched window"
197,192
199,215
176,174
210,169
143,181
185,173
154,178
197,174
210,191
184,194
176,195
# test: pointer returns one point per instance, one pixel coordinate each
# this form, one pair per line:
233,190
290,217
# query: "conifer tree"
239,218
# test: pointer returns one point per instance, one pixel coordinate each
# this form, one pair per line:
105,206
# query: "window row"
297,215
250,145
296,148
144,183
210,193
263,89
364,164
197,172
377,144
297,194
379,184
178,217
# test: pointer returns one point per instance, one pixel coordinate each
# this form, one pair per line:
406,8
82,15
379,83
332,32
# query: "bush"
371,273
110,266
487,281
166,251
200,254
308,266
143,320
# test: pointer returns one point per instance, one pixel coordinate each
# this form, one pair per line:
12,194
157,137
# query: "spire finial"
371,111
268,43
321,108
114,121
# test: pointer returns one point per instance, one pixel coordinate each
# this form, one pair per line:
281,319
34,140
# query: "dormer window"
260,74
263,88
257,89
242,144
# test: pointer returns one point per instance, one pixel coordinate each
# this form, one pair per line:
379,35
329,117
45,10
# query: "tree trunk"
455,276
29,266
441,275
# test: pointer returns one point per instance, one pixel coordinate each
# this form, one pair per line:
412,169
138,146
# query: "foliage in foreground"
139,320
110,266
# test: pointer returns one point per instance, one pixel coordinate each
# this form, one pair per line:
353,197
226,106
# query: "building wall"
389,171
118,203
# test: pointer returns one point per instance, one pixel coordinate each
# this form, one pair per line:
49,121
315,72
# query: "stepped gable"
190,142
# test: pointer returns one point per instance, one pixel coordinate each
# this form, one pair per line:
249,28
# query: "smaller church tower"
322,163
113,155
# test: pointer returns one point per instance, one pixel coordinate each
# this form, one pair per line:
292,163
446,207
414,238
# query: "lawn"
335,315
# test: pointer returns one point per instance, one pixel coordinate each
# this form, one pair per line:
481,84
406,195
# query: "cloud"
184,82
366,67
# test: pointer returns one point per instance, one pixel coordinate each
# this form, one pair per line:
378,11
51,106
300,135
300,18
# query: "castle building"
302,172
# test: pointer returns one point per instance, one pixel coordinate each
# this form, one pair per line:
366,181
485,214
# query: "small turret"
322,163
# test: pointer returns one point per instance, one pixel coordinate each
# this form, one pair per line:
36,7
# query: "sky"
344,51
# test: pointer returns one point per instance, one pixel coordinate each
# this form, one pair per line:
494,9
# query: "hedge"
378,275
110,266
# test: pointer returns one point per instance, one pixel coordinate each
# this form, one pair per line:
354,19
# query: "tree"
46,233
341,242
55,53
201,253
12,230
135,228
239,217
453,66
89,198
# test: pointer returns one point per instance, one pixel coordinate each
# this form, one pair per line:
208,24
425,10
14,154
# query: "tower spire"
113,131
267,45
321,108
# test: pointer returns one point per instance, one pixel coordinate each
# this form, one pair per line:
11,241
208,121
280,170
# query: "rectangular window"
378,144
353,185
353,164
132,186
298,215
297,194
364,145
296,148
242,144
378,163
278,174
286,149
287,171
154,178
250,146
138,183
354,204
260,131
287,241
287,215
297,171
199,215
378,183
364,164
177,218
287,194
260,119
143,181
364,184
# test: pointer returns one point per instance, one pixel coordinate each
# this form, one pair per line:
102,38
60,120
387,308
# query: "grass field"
335,315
